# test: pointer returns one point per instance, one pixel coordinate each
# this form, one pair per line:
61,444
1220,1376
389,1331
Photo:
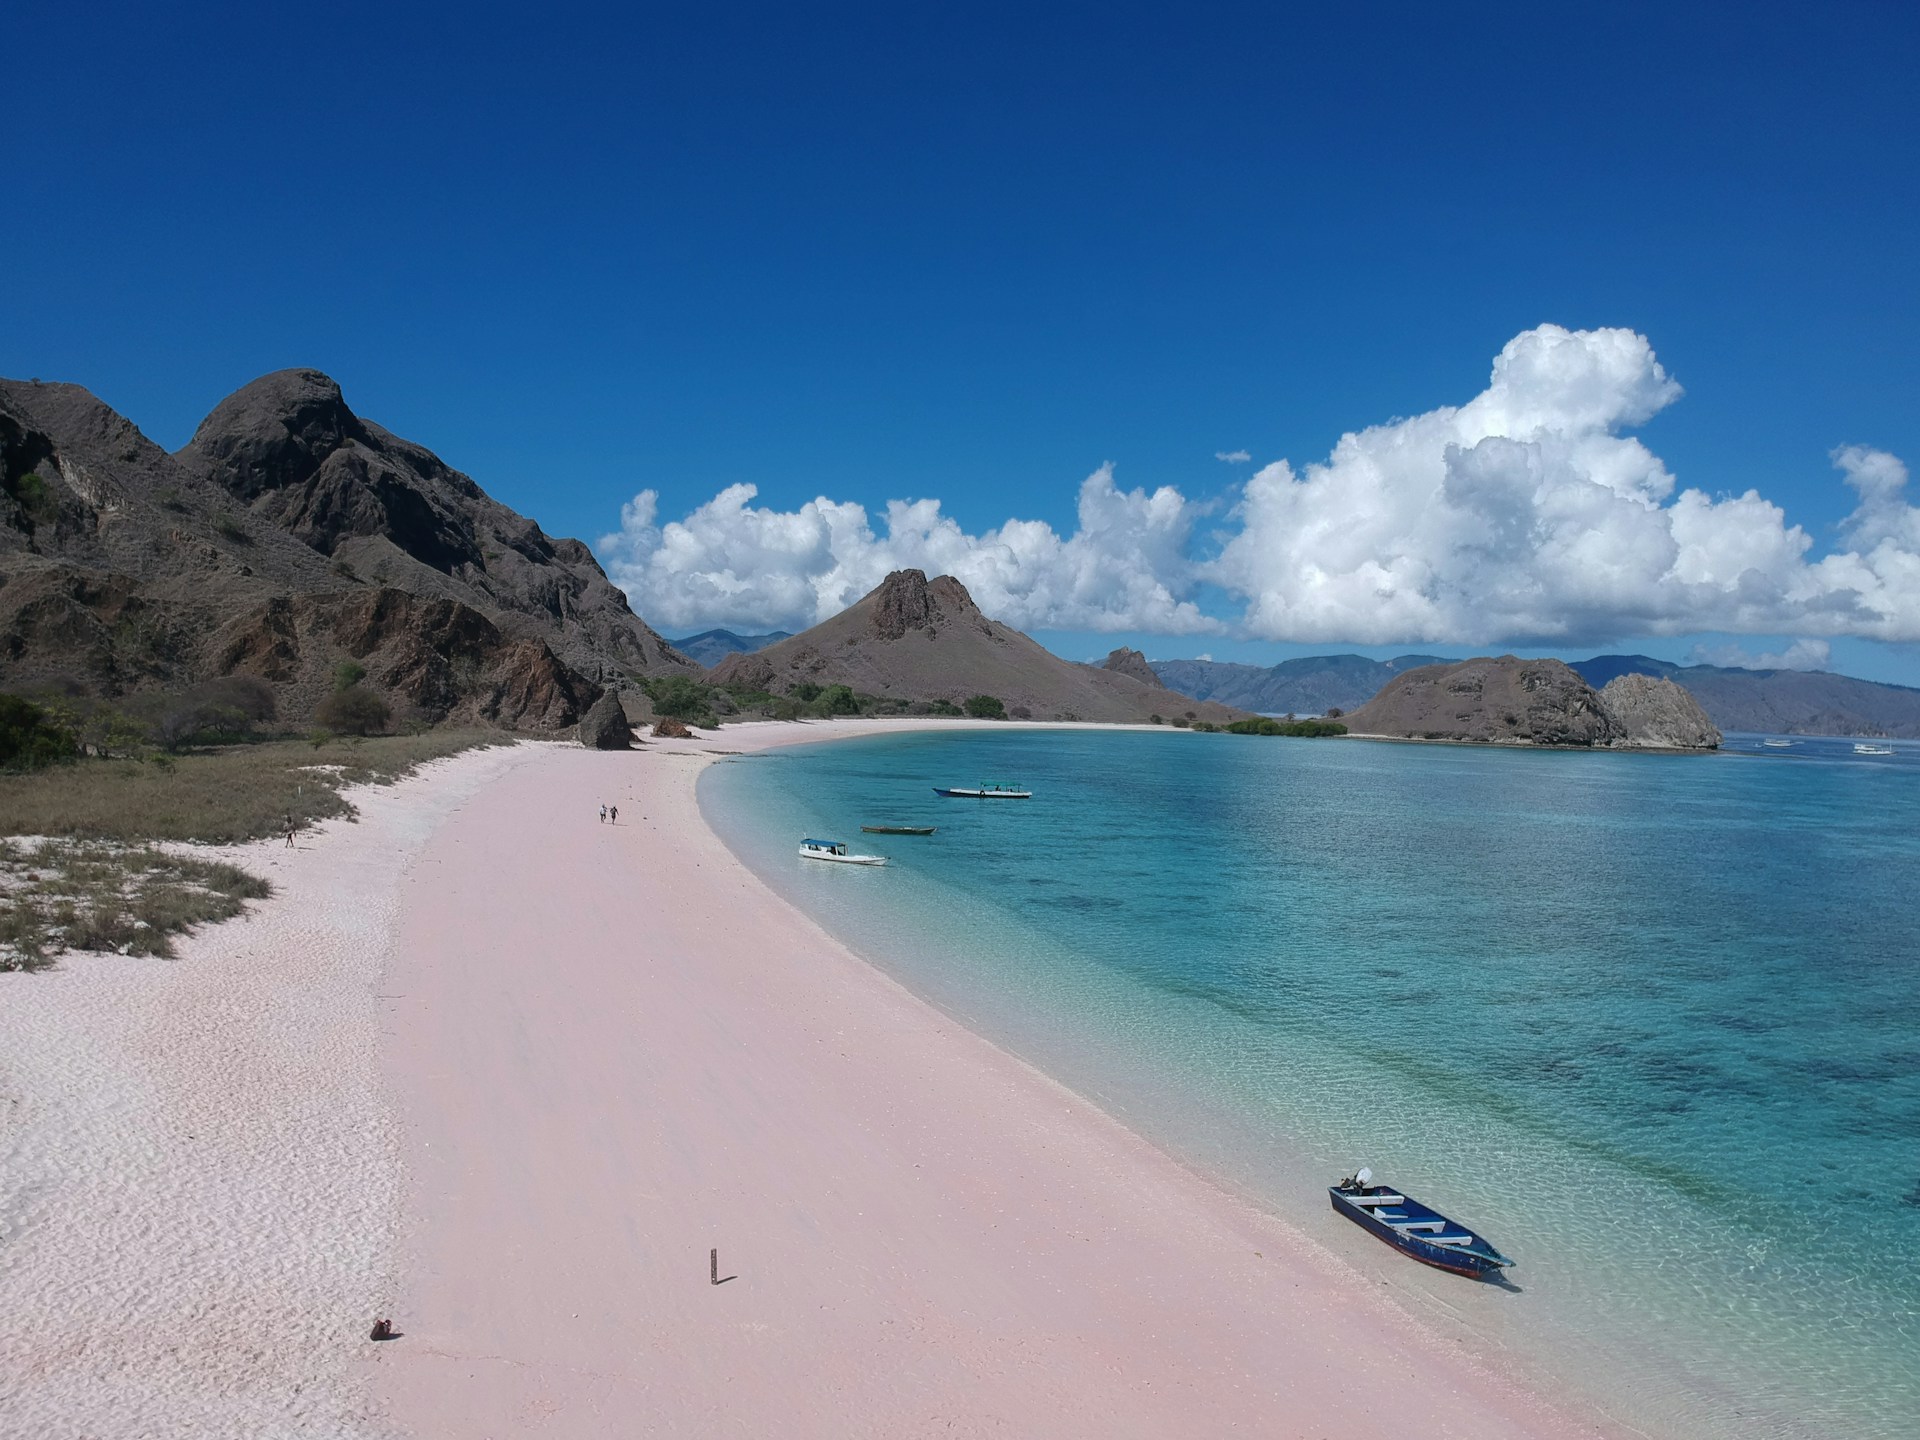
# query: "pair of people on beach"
609,813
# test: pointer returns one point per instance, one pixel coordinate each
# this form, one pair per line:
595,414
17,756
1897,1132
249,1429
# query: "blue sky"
885,253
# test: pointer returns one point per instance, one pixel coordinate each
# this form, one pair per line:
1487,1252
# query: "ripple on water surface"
1652,1022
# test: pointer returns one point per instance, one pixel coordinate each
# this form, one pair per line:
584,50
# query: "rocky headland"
1505,700
287,536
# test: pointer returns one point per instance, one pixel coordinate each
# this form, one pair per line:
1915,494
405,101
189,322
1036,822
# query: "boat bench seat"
1433,1225
1376,1199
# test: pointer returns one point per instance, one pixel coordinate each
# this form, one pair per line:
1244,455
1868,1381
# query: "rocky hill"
288,535
1777,702
1509,701
919,639
1311,685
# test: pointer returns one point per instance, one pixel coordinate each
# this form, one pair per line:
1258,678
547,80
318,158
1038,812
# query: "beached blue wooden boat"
1415,1229
996,790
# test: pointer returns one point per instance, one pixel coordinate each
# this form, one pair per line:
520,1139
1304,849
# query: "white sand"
505,1074
198,1168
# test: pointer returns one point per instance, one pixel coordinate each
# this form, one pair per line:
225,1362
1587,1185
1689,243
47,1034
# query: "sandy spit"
198,1164
614,1053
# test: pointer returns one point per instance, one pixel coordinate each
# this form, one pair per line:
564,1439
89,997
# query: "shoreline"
504,1075
916,1230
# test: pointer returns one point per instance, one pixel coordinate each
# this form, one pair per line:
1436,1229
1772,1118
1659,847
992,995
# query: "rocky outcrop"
391,512
438,659
1502,700
1658,714
1509,701
604,726
919,640
289,534
1131,662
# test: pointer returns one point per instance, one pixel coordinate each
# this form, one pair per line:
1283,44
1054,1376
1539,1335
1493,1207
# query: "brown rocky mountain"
1509,701
1131,662
919,639
288,535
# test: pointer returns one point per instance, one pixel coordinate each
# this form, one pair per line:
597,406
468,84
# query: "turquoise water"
1652,1023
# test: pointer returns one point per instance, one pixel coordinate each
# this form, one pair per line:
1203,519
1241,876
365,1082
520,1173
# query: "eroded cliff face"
1659,714
288,535
1505,700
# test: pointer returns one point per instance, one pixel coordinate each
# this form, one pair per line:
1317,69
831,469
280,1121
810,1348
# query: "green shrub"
355,710
36,498
347,674
30,739
944,707
805,691
1298,729
676,697
986,707
838,700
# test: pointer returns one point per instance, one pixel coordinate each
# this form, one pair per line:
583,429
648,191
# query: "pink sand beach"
572,1060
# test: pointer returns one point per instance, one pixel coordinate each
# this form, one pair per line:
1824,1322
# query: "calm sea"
1650,1022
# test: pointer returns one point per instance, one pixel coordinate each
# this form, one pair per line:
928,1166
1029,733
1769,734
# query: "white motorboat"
835,850
1777,744
1873,749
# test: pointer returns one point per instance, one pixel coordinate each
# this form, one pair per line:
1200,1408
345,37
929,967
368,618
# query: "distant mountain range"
916,639
1783,702
1780,702
1309,686
710,647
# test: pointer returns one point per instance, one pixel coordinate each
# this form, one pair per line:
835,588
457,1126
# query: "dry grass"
101,884
74,895
242,792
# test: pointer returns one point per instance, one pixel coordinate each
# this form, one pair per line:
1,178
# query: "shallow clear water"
1650,1022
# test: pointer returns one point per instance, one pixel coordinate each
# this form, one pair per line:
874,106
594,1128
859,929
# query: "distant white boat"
993,790
1778,744
835,850
1873,749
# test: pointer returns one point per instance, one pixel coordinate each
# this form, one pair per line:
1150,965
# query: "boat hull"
983,794
898,829
1475,1262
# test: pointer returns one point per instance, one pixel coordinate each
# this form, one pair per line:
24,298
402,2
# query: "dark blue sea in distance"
1652,1023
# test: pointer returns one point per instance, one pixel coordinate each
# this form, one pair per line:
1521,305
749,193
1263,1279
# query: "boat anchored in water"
1415,1229
1873,749
1777,744
996,790
836,850
898,829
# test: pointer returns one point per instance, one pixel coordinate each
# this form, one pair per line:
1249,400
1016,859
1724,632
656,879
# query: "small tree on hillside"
986,707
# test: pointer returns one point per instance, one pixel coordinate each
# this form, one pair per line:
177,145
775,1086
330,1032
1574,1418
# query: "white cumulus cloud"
1232,457
1526,514
1529,513
1125,567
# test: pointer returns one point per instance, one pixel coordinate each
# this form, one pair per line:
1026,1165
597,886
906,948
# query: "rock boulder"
604,726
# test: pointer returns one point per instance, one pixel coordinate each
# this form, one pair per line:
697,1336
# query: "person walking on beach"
613,814
289,832
603,814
